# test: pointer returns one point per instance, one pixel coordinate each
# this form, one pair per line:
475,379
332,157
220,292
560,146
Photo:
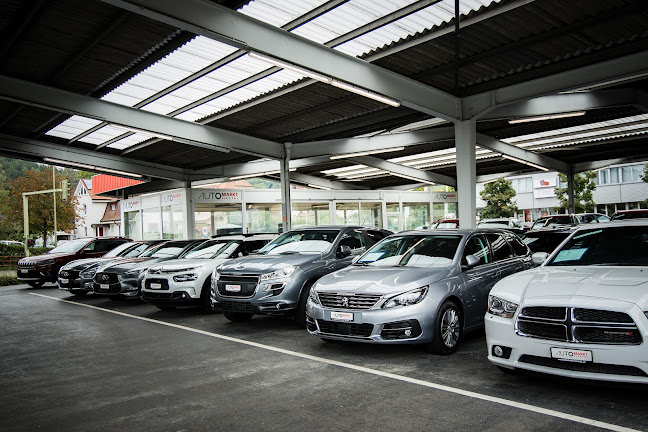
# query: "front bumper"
620,363
411,324
170,292
118,285
36,275
282,300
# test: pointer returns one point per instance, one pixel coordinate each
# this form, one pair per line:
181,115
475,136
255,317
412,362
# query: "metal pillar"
285,188
465,142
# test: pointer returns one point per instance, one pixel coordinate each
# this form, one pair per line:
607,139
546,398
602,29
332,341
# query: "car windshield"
630,215
412,251
493,224
119,250
213,249
70,246
446,225
166,250
301,241
615,246
552,221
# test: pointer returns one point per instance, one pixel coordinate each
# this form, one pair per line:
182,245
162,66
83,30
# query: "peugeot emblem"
345,302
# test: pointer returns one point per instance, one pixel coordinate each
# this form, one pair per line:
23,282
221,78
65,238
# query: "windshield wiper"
288,253
361,264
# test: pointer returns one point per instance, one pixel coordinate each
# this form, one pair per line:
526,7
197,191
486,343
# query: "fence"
9,262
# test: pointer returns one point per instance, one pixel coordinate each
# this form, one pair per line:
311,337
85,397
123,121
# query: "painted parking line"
470,394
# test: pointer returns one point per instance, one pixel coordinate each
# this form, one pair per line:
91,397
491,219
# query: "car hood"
264,263
134,263
47,256
575,285
84,263
377,280
180,264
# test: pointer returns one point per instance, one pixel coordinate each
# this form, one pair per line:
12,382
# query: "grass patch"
8,277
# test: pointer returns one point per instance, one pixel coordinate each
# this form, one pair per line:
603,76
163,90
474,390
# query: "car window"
446,225
119,250
412,251
478,247
71,246
618,246
374,236
91,247
253,246
518,246
301,241
602,218
501,248
166,250
136,251
353,240
106,245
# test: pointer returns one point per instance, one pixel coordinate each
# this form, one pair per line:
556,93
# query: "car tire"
35,284
447,330
237,316
300,313
205,304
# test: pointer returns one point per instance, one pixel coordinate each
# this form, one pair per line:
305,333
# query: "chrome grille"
26,265
348,301
578,325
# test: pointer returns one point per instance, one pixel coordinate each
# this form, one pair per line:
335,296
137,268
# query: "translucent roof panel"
189,61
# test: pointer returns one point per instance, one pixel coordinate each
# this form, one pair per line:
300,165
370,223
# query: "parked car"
187,281
76,276
512,225
277,280
39,269
547,239
630,214
12,243
446,224
583,313
124,278
417,287
592,217
554,220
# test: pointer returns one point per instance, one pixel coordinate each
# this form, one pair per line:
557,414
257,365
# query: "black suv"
37,270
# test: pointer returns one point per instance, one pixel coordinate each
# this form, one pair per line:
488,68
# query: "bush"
6,279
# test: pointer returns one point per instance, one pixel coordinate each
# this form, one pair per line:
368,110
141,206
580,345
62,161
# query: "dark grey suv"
276,281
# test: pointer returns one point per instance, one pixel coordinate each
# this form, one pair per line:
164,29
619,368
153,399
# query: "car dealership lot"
95,364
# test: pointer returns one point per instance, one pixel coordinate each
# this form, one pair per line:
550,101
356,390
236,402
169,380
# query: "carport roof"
509,58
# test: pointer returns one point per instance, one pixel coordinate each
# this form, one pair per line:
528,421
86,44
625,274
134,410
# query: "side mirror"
539,257
344,251
471,261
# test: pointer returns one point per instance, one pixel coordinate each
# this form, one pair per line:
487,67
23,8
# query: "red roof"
103,183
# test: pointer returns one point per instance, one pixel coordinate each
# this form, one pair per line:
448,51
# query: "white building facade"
93,208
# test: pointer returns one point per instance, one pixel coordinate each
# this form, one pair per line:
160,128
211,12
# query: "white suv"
583,313
187,280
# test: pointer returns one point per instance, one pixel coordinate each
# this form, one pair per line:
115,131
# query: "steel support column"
285,188
465,142
570,193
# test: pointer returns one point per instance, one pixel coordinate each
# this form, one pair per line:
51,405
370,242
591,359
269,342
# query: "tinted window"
478,247
544,241
375,236
253,246
501,249
120,250
106,245
352,239
519,248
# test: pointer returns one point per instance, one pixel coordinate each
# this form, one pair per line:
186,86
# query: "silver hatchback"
416,287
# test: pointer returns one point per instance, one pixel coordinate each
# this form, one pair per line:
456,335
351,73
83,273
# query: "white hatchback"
583,313
187,281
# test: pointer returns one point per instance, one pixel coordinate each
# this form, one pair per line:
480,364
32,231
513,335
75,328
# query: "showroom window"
151,224
263,218
217,219
172,222
132,228
305,214
347,213
416,215
371,214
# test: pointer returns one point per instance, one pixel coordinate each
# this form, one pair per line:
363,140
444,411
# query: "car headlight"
408,298
185,277
46,263
88,274
134,272
500,307
312,296
278,274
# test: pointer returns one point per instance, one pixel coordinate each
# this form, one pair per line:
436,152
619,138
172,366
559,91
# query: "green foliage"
499,196
8,279
264,184
644,177
14,168
584,187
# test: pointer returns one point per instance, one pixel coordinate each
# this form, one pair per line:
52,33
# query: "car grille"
163,282
345,329
157,295
578,325
600,368
26,265
106,278
69,274
235,306
248,284
348,301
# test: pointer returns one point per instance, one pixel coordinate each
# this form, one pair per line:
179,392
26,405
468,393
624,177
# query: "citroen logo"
345,302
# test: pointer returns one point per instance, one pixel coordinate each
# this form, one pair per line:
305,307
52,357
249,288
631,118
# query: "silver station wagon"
416,287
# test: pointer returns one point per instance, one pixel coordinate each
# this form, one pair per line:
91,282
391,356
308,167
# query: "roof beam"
238,30
186,132
595,165
324,183
521,154
37,150
406,172
565,103
626,67
375,143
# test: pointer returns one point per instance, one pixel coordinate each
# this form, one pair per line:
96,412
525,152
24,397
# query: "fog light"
408,333
501,351
498,351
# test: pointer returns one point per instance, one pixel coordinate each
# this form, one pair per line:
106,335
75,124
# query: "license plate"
24,271
233,288
580,356
342,316
104,286
156,286
64,281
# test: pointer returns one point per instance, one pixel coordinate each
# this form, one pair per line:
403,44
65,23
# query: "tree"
41,206
499,196
644,177
583,187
